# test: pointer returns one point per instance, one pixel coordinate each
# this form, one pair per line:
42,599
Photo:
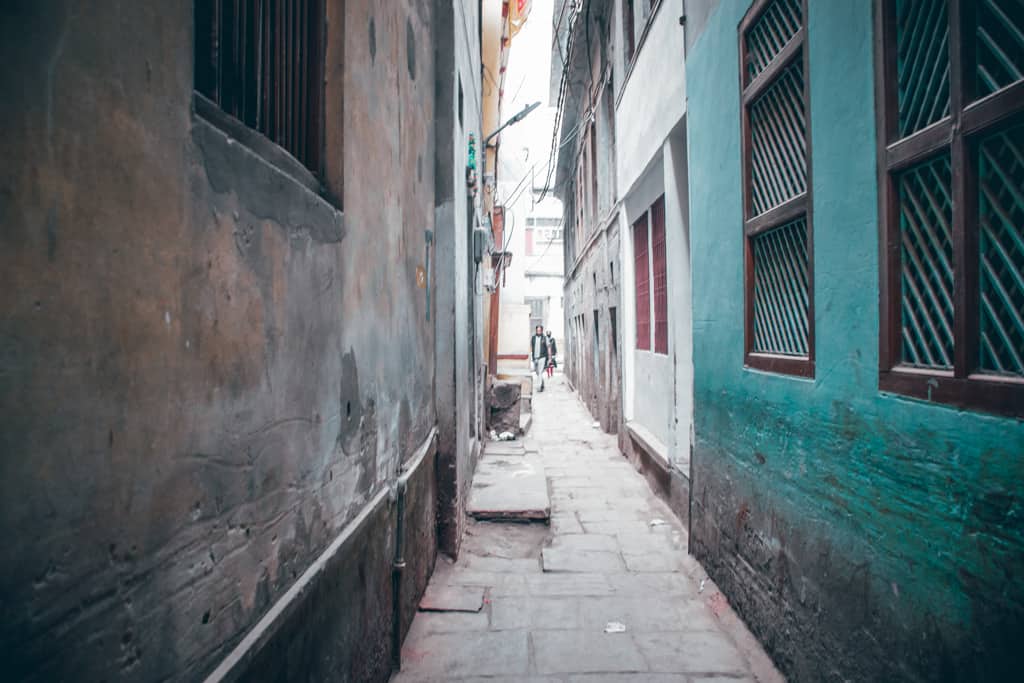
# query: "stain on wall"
844,524
206,368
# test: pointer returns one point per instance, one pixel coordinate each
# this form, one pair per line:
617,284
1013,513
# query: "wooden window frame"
959,134
289,114
796,207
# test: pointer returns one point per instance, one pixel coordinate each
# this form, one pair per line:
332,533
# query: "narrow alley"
357,341
606,593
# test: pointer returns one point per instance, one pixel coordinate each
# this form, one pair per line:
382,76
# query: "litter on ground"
615,627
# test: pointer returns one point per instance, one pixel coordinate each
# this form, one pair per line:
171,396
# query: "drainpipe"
405,473
397,569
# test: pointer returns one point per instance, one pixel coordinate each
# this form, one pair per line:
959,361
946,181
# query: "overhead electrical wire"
560,101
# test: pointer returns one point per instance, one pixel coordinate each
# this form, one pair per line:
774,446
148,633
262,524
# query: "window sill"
259,144
986,393
778,364
652,352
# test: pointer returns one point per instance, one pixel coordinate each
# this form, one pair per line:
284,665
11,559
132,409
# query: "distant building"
531,283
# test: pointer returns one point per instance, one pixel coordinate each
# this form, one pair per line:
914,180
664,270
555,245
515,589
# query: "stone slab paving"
441,597
613,552
510,484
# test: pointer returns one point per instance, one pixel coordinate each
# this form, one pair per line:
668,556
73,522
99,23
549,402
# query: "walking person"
539,354
552,351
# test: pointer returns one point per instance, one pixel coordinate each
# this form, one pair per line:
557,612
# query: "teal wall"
854,517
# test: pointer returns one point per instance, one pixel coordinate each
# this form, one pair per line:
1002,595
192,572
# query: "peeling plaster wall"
593,368
206,370
862,536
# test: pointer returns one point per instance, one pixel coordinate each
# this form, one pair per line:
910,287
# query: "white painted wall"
677,245
651,160
653,98
649,375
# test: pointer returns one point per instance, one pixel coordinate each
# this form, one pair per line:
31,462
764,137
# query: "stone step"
508,487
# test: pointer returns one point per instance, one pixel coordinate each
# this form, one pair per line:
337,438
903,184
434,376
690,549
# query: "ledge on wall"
649,442
650,456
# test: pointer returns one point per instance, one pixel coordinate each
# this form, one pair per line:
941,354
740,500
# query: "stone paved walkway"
613,553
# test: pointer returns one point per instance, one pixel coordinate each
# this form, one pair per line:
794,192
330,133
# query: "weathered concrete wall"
862,536
593,346
342,627
593,356
460,362
207,370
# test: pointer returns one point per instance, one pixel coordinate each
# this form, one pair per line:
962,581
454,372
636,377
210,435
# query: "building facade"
623,170
459,233
856,185
831,387
657,397
236,267
583,81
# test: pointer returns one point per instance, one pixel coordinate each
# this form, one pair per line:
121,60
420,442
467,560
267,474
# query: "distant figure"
539,354
552,350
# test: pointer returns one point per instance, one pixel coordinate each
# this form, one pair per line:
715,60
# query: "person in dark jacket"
552,350
539,354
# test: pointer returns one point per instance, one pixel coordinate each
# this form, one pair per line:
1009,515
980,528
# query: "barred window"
651,278
659,278
261,62
777,234
950,89
643,284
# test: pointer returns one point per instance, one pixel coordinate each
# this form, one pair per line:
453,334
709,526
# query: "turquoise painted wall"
809,485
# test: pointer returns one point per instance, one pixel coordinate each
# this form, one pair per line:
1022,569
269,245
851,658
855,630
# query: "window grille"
926,251
922,63
766,37
1001,252
778,135
261,61
778,282
951,127
781,290
643,284
999,45
660,279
